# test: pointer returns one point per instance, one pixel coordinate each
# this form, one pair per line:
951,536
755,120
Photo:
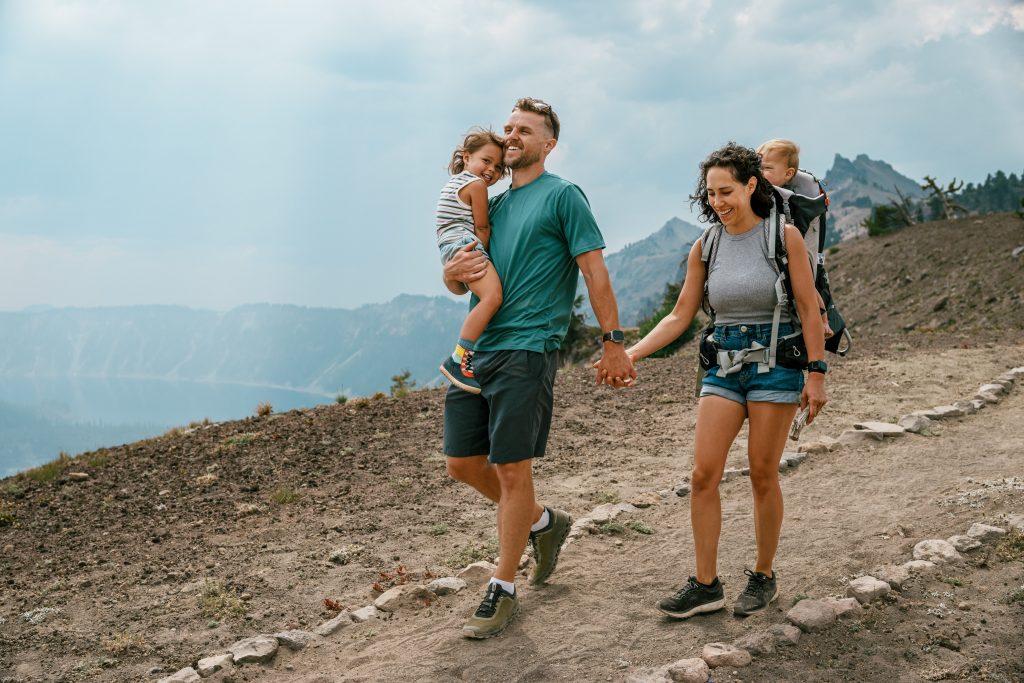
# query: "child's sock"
464,346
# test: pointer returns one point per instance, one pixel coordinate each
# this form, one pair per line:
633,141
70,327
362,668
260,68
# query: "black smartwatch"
817,366
616,336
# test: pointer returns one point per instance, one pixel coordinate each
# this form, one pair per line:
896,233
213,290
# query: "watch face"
617,336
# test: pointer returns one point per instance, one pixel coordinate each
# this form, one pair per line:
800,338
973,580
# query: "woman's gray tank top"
741,283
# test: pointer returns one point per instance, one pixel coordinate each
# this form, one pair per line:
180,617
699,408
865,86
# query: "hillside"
171,549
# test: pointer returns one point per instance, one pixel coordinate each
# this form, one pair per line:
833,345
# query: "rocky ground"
171,549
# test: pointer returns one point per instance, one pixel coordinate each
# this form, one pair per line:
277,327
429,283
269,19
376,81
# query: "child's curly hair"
474,140
744,163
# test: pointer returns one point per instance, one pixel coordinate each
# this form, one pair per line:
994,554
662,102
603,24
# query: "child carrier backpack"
805,206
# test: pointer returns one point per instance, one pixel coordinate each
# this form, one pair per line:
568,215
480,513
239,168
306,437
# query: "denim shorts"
448,250
778,385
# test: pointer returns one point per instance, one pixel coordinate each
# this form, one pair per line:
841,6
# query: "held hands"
615,368
813,395
468,265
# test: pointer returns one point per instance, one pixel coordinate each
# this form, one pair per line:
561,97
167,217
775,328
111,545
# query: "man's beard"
525,159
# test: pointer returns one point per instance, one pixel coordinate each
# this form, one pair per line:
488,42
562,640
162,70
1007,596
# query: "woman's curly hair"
744,163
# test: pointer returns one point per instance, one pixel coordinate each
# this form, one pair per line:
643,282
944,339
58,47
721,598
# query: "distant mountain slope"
855,186
311,349
640,270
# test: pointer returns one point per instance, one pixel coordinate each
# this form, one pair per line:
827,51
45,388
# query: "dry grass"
7,515
284,495
124,642
218,602
1011,546
264,409
49,471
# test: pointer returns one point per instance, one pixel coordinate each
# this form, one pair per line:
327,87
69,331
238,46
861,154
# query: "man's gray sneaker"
694,598
758,594
547,543
496,612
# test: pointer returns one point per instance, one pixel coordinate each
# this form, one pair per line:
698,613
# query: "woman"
741,291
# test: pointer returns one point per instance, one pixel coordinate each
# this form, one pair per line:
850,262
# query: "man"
543,236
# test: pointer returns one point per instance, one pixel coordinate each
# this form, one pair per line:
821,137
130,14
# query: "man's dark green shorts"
510,418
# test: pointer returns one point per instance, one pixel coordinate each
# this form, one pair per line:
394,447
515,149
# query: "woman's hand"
813,395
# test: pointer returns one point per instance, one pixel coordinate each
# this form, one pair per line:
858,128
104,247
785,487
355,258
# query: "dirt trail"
847,512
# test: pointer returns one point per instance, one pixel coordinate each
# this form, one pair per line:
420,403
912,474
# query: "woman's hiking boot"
493,615
758,594
547,544
694,598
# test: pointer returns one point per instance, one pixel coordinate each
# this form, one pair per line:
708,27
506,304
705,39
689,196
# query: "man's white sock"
509,587
545,519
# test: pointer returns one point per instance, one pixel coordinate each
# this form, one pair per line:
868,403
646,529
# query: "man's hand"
468,265
615,367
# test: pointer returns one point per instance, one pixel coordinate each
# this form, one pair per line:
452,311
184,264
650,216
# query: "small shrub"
12,490
402,384
216,601
173,433
439,530
799,596
611,528
243,439
379,395
284,495
49,471
264,409
7,515
123,643
340,399
1016,596
602,497
640,527
1011,546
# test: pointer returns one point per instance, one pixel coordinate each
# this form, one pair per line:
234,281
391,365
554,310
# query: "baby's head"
482,154
780,160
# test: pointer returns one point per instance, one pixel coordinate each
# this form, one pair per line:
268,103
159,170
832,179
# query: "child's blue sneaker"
461,373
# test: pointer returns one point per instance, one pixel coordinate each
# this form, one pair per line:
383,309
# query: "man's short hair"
790,151
541,107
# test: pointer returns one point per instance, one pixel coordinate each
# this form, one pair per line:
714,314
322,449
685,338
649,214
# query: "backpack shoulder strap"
708,249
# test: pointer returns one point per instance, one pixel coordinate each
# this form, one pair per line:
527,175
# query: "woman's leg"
769,427
718,422
488,290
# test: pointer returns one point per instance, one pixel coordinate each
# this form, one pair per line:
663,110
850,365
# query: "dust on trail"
846,512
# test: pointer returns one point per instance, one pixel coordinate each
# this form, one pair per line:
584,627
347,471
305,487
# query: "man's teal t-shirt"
537,231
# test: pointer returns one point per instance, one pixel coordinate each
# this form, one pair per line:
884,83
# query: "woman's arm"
475,194
675,323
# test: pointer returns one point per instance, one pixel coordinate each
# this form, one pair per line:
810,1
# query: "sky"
216,153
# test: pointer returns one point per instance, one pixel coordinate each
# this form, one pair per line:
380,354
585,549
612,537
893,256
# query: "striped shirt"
454,216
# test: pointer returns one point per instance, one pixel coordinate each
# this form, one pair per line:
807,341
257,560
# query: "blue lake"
40,417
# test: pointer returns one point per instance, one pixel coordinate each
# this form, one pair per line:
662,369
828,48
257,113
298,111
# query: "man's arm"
468,265
615,367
